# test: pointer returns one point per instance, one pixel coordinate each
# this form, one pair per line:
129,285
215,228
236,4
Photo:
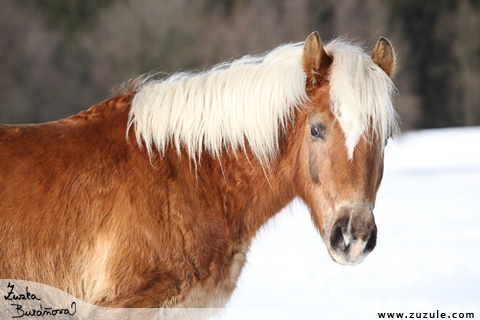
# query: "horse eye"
315,132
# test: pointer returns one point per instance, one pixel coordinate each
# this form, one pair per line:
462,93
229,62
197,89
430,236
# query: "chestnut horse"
152,198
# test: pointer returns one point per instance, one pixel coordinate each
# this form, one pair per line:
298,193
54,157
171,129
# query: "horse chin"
344,261
352,255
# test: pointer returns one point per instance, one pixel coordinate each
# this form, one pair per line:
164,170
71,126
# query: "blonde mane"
360,94
252,98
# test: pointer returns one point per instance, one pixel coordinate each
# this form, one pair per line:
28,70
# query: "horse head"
343,130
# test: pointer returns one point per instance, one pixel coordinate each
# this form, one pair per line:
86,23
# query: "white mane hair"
252,98
249,99
360,94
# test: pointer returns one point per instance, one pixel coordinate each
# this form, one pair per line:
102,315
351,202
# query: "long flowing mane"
251,99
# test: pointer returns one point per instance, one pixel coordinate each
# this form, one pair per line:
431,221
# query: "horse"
151,199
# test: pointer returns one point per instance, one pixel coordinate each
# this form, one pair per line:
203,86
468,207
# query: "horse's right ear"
314,58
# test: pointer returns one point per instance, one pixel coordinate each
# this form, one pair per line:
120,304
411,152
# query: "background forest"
58,57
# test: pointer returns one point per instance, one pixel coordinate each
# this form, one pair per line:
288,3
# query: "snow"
427,255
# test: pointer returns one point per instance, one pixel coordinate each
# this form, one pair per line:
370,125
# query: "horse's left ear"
314,58
384,56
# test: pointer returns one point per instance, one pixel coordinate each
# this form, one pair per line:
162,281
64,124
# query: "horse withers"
151,198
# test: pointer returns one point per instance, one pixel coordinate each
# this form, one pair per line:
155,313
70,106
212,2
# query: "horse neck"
236,185
258,192
269,189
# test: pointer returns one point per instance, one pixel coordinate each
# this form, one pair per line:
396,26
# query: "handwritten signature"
38,312
12,296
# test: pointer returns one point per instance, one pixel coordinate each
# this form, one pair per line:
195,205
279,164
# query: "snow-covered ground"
428,248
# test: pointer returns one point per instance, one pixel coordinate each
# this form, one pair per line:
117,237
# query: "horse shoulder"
63,188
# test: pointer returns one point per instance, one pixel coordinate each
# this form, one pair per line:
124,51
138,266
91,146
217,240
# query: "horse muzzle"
352,236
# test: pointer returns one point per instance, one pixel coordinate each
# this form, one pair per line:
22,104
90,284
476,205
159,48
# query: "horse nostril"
372,241
336,240
337,237
353,236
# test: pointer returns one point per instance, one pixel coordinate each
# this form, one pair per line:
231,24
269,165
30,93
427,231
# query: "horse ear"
384,56
314,58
